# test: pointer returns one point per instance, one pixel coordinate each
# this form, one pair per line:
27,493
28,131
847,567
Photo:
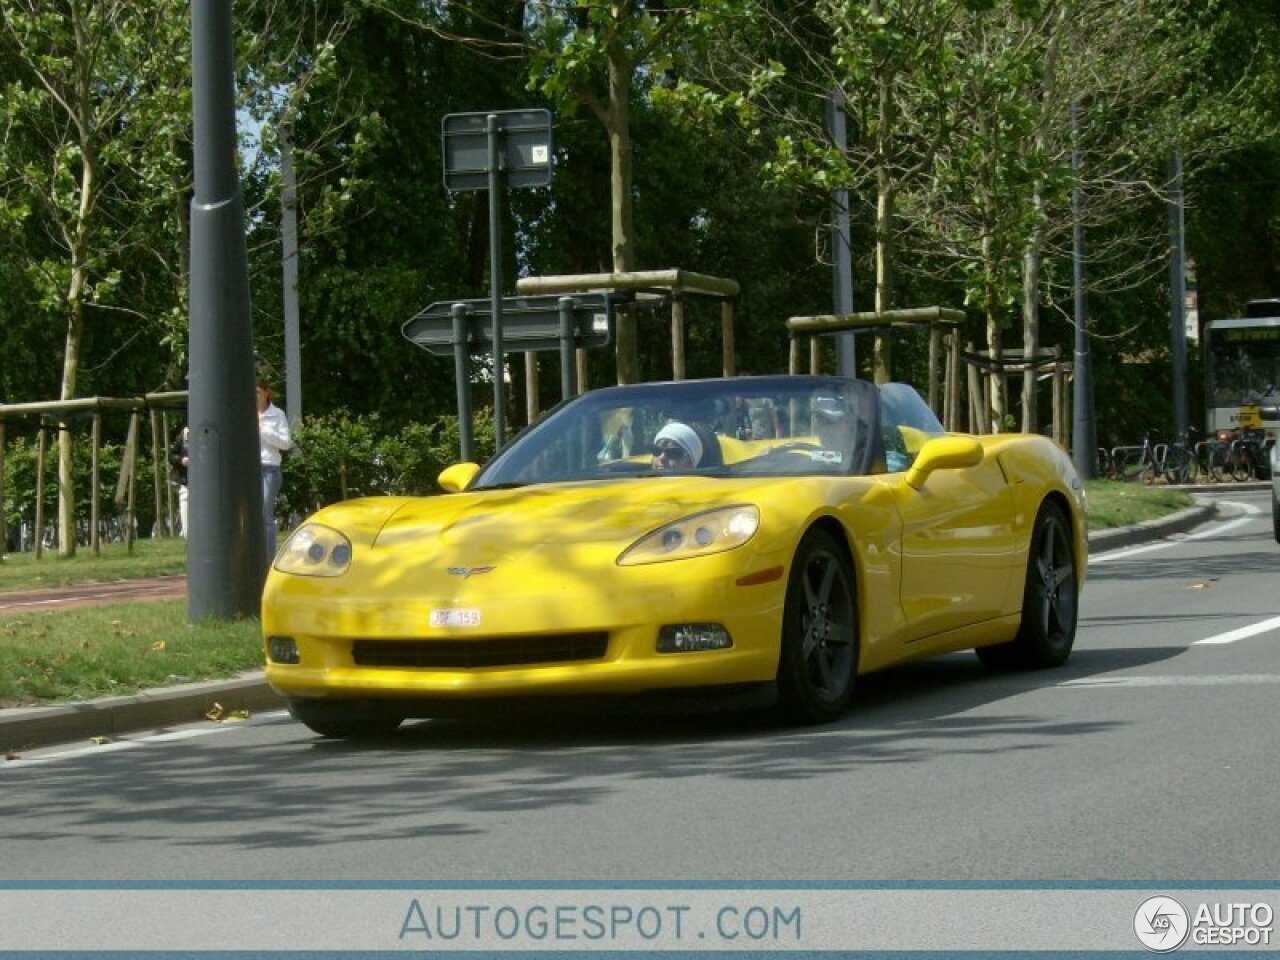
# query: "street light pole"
226,550
1084,441
1178,297
841,255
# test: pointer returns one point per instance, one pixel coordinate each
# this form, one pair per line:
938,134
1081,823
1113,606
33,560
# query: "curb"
24,728
1179,522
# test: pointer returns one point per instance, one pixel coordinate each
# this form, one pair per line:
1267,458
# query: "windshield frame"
741,453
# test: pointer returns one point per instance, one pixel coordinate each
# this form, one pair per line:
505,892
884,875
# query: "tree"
95,100
593,54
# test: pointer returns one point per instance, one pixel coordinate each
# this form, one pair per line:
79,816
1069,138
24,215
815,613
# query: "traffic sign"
529,324
524,153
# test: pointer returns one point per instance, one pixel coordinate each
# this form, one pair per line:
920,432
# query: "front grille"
480,651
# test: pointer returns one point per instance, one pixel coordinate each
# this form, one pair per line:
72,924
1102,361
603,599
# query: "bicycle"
1173,463
1177,463
1134,463
1241,454
1247,457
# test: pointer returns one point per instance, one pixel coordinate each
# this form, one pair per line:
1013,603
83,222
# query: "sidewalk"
24,728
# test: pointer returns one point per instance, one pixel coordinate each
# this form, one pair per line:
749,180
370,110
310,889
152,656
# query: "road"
1149,757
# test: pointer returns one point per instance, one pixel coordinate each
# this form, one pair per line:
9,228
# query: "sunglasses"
670,451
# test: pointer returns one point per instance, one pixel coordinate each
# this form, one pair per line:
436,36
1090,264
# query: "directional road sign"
529,324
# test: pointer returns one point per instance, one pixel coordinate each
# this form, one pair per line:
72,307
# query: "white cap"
685,436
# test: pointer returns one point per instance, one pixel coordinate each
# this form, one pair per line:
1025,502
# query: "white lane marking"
1221,680
1251,514
1231,636
115,746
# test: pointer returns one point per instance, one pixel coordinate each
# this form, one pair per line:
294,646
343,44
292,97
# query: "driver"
676,448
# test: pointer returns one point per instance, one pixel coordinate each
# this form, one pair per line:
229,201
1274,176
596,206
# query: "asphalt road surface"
1150,757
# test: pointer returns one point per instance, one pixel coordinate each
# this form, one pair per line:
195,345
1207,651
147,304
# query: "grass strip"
97,651
1113,504
150,558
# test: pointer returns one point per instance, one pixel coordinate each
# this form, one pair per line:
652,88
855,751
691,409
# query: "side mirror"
457,477
944,453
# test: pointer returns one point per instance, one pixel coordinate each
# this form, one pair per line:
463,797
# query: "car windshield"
743,426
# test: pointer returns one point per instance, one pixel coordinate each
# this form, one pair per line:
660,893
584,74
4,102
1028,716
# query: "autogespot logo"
1161,924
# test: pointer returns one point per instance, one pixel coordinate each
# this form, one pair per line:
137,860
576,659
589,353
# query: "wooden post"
988,426
677,337
1059,401
531,386
954,391
95,485
130,484
727,345
156,460
975,396
935,348
581,358
165,429
41,443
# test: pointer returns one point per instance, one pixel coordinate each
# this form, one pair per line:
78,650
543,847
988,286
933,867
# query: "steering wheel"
792,446
623,466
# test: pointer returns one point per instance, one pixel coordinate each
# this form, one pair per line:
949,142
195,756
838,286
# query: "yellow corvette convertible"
790,532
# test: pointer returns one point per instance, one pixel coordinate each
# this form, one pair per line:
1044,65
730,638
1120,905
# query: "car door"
958,548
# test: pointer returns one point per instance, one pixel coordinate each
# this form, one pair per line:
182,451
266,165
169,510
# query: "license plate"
455,618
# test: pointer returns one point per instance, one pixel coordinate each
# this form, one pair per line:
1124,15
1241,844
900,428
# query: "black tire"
346,719
1275,516
1217,466
1241,467
1050,600
818,661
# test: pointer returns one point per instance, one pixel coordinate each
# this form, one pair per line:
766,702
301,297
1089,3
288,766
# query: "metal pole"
567,368
495,276
226,551
289,242
1178,296
1084,442
462,377
841,260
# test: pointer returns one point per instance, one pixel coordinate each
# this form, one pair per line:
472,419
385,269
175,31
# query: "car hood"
587,513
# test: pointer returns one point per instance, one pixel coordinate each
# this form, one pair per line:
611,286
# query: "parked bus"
1242,368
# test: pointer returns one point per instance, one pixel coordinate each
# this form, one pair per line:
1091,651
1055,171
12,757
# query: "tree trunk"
1031,317
882,357
79,250
619,128
66,445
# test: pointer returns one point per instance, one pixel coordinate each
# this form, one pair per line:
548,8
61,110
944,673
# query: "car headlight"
703,533
315,550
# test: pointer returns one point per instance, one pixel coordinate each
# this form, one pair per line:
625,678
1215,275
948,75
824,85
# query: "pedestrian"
274,439
179,460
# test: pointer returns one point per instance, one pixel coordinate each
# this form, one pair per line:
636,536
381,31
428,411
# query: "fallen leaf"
159,646
100,740
10,755
215,713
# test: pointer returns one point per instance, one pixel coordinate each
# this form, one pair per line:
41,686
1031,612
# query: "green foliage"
22,456
340,456
732,177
